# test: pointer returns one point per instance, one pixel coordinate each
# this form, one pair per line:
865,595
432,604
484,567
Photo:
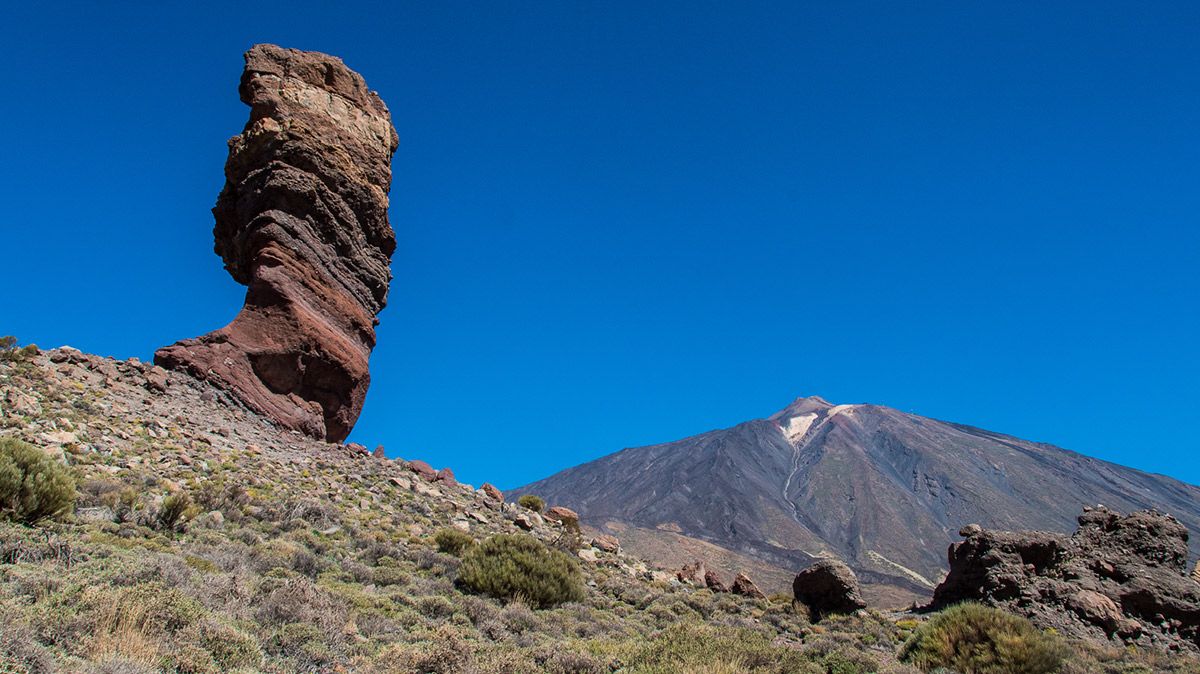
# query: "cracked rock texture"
1123,578
302,222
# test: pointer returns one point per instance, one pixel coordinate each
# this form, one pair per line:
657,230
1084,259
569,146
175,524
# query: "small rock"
563,514
744,586
156,379
607,543
21,403
355,448
423,469
523,521
446,475
492,492
477,516
1096,609
59,438
461,525
693,574
379,453
67,354
713,581
401,482
970,530
588,555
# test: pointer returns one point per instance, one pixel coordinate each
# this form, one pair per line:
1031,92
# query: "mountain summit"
881,489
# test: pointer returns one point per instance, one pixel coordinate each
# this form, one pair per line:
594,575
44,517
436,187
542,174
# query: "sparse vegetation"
975,639
33,486
306,559
10,351
531,502
516,566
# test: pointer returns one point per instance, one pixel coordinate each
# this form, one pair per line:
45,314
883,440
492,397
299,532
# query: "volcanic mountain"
880,489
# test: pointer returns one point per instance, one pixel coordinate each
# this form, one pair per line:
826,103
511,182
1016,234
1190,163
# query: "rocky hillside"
883,490
205,538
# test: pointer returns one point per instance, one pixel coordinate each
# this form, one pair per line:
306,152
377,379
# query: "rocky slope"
296,554
302,221
883,490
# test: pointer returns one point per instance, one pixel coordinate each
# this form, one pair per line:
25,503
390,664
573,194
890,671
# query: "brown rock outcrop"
713,580
693,574
1196,573
492,492
1120,578
563,514
744,586
828,586
302,222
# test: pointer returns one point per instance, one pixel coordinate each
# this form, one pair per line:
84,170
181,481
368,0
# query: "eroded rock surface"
1118,577
302,222
828,586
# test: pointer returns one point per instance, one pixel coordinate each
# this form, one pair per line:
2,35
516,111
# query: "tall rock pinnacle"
302,222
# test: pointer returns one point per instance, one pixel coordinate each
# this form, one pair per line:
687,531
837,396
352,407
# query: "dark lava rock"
1119,578
302,222
829,586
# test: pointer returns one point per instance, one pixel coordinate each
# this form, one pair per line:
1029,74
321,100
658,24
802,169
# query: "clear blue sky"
622,225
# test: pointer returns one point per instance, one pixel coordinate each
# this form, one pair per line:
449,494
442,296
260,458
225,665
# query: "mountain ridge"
882,489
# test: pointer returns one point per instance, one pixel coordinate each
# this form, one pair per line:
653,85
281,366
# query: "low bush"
33,486
531,502
975,639
451,541
516,566
176,508
11,352
695,647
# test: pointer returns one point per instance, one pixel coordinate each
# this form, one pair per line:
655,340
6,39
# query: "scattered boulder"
492,492
693,574
355,448
379,453
423,469
156,379
302,222
524,521
744,586
713,581
563,515
1117,577
446,475
606,543
828,586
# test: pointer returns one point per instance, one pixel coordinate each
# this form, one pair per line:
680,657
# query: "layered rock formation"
302,222
1123,578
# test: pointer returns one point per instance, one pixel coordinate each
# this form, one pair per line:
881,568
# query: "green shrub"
33,487
531,502
11,352
693,647
516,566
975,639
452,541
175,509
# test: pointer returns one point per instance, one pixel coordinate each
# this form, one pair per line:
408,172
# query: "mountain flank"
883,490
